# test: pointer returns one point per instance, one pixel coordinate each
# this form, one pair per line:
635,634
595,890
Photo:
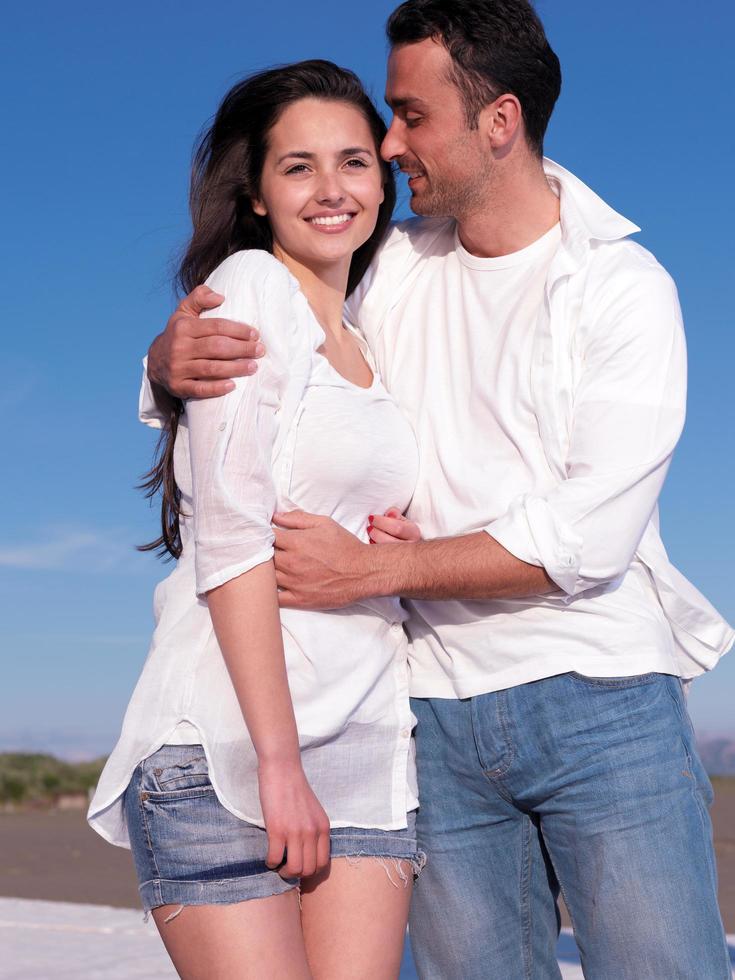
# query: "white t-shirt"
346,452
455,351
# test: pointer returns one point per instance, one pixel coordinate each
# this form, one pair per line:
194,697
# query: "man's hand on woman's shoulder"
197,357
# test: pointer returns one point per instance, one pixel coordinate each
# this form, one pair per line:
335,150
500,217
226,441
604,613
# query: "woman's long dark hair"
226,170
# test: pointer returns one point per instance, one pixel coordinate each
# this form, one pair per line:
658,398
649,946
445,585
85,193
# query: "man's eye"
412,121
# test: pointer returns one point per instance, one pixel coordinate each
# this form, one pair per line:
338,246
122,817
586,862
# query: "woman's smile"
332,223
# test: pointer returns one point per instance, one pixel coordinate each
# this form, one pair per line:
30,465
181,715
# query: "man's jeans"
593,784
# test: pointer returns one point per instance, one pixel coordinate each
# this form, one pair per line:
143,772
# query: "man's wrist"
152,363
380,574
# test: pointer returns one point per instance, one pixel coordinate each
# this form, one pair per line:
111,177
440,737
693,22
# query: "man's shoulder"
406,245
625,271
415,236
624,261
419,231
629,289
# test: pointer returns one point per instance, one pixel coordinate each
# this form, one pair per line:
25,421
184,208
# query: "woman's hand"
294,820
392,528
244,612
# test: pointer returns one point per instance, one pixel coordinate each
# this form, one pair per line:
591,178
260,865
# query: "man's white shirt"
547,391
586,397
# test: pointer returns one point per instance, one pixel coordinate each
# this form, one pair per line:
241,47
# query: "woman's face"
321,184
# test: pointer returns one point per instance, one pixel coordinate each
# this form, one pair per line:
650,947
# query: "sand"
55,856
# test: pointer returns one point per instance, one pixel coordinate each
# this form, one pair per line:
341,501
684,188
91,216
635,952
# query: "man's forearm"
473,567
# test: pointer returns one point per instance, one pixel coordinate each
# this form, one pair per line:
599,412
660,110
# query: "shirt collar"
584,216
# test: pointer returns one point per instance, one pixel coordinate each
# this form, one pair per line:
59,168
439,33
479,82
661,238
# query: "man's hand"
319,565
196,358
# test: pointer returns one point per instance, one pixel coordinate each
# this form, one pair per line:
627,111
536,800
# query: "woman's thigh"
260,939
354,917
222,914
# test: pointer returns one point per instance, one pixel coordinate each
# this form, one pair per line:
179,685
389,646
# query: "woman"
247,736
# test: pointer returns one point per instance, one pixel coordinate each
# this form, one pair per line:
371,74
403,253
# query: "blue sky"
102,105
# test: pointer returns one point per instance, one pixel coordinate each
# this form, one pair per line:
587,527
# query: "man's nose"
393,145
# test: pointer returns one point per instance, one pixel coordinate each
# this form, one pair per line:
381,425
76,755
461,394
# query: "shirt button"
222,426
405,733
397,627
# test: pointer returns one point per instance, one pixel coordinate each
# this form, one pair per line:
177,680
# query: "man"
539,355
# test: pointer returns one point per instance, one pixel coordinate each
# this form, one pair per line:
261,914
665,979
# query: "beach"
53,855
64,891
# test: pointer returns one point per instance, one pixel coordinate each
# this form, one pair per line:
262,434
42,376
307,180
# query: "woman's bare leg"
354,916
260,939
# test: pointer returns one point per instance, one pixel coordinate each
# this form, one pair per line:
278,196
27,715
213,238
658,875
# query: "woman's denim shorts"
189,850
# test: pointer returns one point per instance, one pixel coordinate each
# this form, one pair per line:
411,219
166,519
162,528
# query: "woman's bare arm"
246,620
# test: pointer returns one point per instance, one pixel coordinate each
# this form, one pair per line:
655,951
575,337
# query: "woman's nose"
330,191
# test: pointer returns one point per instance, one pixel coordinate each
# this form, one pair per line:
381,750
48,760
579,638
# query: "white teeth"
337,219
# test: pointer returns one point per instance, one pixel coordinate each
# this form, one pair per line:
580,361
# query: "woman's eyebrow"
305,155
299,154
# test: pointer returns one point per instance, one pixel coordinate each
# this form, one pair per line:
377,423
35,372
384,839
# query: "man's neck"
519,209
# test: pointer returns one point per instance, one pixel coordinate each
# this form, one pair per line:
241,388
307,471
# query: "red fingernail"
369,528
371,518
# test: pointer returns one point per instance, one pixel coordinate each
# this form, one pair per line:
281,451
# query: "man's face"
448,165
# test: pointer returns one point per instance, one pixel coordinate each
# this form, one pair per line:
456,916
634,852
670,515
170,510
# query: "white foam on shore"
68,941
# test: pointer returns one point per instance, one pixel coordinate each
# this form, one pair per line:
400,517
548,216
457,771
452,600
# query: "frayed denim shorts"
189,849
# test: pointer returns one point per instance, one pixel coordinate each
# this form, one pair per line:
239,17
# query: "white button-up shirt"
295,435
604,370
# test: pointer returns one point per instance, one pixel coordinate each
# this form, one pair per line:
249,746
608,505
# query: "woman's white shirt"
295,435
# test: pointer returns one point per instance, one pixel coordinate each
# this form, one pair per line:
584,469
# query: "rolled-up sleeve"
629,409
231,438
148,411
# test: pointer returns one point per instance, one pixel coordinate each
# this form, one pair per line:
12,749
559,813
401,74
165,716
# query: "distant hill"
718,755
34,779
39,779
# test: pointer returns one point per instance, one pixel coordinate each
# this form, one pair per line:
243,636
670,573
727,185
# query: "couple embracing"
472,412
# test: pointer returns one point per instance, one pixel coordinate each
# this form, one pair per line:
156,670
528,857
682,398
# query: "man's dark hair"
496,46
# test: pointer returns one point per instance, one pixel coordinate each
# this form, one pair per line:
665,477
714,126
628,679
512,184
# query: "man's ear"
501,120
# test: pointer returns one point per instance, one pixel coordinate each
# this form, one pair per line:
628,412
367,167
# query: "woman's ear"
258,207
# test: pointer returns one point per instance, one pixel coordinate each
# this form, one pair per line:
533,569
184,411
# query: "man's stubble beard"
453,196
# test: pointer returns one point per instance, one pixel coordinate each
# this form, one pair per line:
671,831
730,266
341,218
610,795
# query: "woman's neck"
324,287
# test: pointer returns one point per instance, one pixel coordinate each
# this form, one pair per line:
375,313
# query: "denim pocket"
188,771
634,680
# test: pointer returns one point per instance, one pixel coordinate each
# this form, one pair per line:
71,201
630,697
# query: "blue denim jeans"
591,785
